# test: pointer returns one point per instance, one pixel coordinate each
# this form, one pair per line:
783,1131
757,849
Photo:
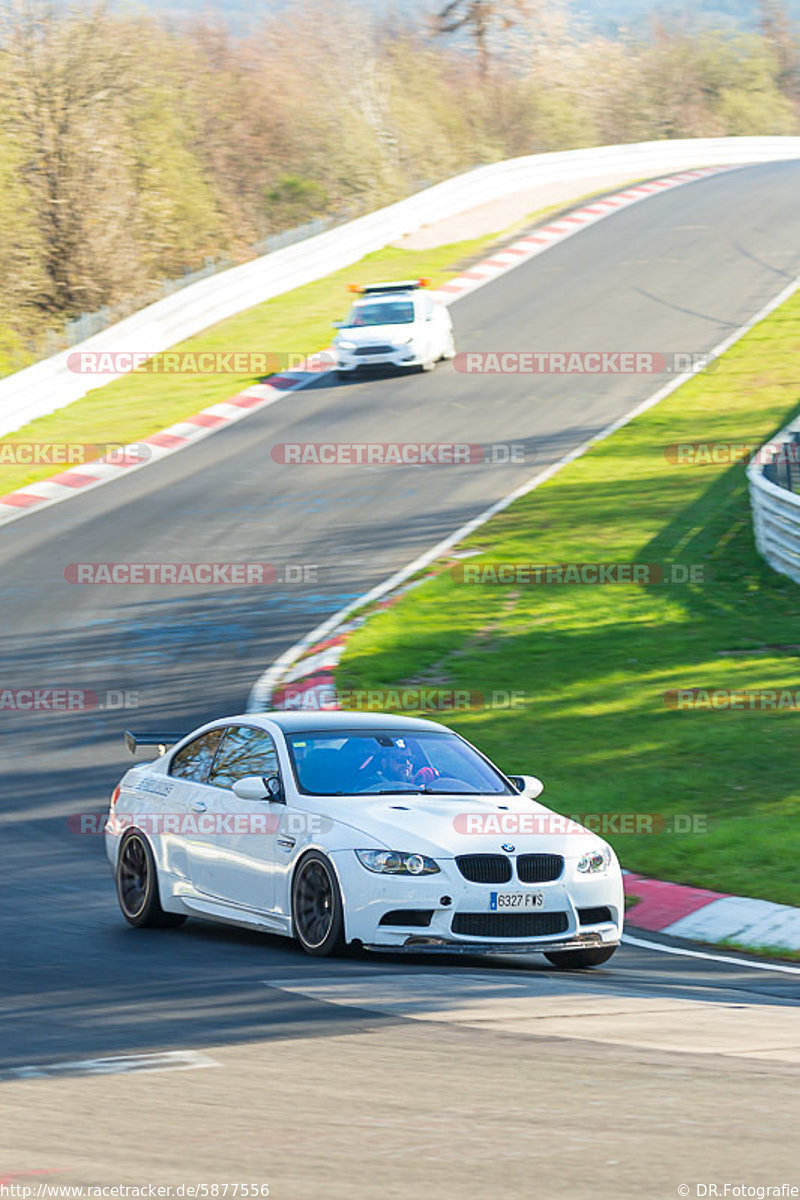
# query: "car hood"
450,825
370,335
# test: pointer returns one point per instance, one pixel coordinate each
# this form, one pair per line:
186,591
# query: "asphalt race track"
365,1077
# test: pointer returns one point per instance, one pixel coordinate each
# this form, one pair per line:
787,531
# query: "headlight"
345,345
404,341
396,862
595,862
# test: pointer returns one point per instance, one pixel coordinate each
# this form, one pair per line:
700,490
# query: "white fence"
776,509
50,385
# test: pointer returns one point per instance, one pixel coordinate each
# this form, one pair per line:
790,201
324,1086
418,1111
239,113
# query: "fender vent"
419,918
594,916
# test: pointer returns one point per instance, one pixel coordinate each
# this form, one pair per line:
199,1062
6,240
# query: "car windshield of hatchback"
394,312
351,762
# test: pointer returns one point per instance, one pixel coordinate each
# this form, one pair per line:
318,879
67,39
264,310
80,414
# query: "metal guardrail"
49,385
774,481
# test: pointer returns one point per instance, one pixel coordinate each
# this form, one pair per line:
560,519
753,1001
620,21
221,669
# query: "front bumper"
399,356
369,898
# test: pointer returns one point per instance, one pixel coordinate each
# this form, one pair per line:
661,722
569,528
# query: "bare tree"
65,72
478,17
776,28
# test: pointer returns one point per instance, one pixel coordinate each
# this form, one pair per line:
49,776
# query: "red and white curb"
68,484
705,916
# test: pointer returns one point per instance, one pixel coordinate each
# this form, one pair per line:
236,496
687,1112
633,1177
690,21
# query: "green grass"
594,662
759,951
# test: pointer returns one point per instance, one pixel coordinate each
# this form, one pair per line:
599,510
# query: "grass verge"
593,663
770,952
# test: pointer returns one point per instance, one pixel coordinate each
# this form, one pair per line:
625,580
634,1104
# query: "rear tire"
317,912
137,886
577,959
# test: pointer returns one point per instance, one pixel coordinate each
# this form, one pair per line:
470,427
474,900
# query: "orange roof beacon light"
401,285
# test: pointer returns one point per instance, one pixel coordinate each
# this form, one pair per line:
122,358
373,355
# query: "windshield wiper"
416,791
397,792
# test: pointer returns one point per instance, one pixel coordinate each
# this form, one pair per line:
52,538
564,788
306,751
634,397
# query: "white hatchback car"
394,324
392,833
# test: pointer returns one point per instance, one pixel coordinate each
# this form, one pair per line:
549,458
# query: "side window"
244,751
193,760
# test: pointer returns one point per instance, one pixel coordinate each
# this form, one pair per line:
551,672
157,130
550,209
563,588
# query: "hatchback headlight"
345,345
396,862
595,862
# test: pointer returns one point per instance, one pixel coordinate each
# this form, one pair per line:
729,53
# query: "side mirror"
528,785
259,787
254,787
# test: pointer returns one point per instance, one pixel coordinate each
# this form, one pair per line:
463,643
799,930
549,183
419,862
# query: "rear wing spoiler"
163,740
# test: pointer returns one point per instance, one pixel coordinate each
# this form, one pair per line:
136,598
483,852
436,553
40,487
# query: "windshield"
385,312
347,762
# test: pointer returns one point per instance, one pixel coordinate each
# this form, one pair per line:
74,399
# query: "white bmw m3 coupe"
336,828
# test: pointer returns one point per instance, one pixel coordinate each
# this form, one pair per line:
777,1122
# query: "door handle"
199,806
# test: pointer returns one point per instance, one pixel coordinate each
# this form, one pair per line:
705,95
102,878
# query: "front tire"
137,886
317,912
576,959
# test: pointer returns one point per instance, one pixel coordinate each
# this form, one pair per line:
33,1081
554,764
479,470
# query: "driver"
395,765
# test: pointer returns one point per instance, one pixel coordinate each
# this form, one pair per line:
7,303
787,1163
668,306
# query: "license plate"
498,900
